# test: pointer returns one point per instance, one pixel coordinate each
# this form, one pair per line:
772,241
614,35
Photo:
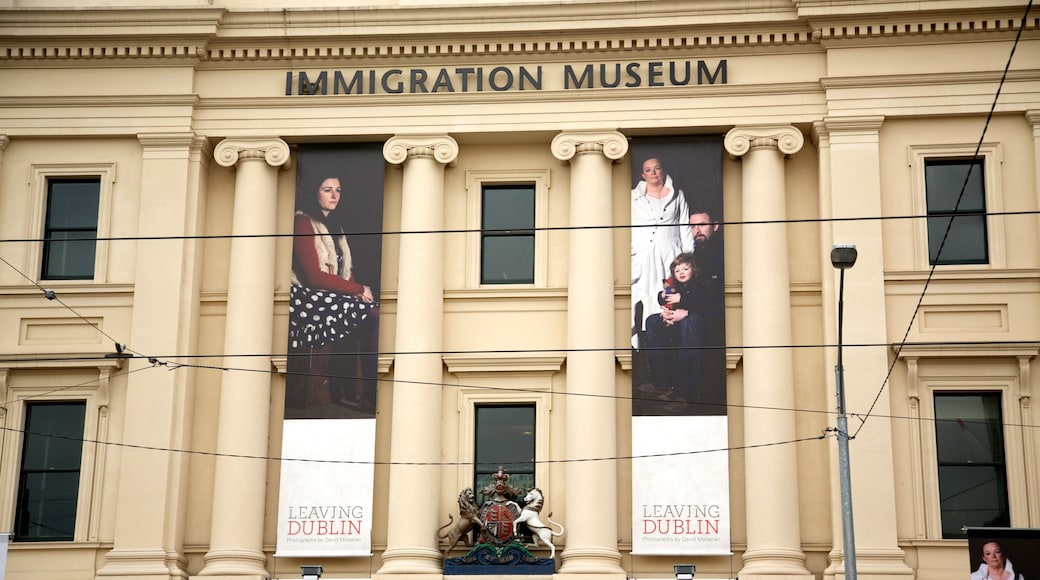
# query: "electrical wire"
949,226
372,233
156,362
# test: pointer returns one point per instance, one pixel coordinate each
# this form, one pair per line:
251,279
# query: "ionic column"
240,481
149,535
854,191
771,472
591,420
411,545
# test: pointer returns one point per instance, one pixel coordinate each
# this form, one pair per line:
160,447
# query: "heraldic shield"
499,518
499,548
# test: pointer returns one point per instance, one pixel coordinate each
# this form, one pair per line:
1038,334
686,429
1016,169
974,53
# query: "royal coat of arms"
499,548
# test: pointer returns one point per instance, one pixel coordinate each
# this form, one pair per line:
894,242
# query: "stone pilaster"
771,472
854,190
591,421
240,481
411,545
151,503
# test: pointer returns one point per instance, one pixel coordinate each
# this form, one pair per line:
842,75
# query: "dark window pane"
507,235
508,207
943,182
48,485
71,228
73,204
505,438
969,441
69,260
507,260
966,242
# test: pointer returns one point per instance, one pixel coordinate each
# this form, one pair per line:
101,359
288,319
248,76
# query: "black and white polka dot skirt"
318,317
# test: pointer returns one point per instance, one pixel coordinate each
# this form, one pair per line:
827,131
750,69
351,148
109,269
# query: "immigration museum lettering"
479,79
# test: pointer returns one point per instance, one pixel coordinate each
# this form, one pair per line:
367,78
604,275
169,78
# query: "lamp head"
684,571
843,257
311,572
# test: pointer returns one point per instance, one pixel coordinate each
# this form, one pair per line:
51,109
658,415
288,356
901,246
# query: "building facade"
151,163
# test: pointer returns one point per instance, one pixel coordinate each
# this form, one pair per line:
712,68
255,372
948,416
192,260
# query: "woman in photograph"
995,566
661,231
329,311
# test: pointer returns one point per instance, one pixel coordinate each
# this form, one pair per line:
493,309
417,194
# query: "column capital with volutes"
1033,116
610,144
740,140
400,148
271,149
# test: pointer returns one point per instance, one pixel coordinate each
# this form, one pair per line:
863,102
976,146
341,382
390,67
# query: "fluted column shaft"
416,430
591,417
771,473
240,481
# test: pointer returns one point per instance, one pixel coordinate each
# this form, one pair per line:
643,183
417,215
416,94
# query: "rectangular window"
504,438
507,241
966,242
70,228
969,443
48,485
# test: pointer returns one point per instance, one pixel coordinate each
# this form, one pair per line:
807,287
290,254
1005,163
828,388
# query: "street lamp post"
844,257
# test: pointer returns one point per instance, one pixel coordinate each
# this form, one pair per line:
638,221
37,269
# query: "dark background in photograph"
695,166
1020,545
360,172
360,169
694,162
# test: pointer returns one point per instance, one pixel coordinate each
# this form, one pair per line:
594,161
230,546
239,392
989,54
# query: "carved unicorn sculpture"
529,515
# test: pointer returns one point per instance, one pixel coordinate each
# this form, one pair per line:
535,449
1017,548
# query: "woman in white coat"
661,231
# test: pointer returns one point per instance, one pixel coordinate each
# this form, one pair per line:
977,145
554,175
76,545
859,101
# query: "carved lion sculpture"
467,526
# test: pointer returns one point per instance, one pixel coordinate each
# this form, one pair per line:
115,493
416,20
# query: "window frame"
936,394
88,380
991,157
47,469
488,234
503,379
511,470
985,369
40,175
50,244
475,182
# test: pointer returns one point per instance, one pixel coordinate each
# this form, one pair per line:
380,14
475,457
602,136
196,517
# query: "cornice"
145,24
219,35
103,101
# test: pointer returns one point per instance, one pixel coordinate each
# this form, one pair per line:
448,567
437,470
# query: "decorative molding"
740,140
611,144
400,148
863,125
273,150
505,363
953,350
1032,115
221,35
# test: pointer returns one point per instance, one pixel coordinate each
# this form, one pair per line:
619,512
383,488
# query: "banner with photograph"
680,474
1012,553
328,439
